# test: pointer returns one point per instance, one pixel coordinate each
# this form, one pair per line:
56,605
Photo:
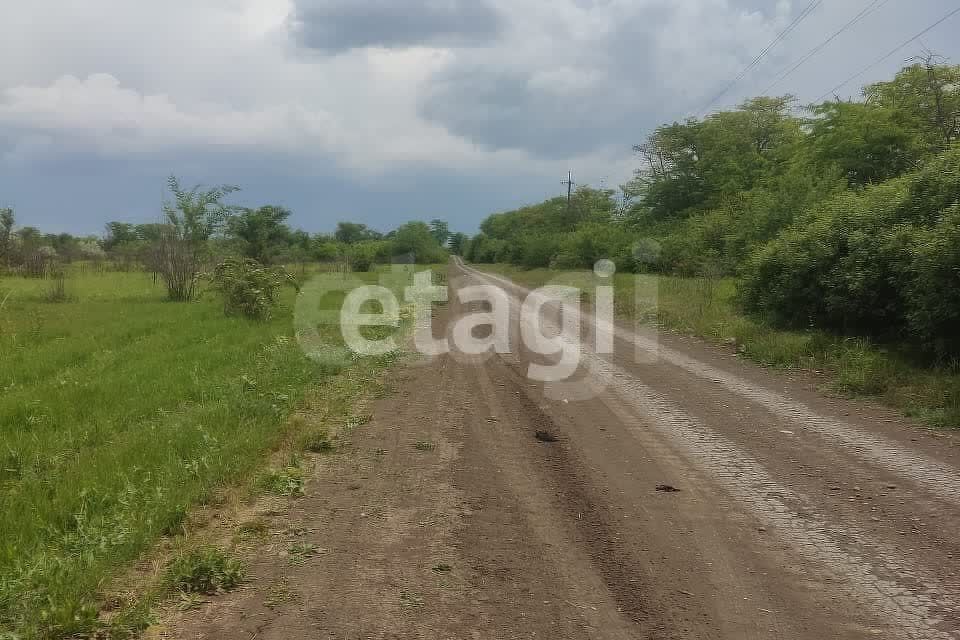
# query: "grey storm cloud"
506,110
599,98
335,26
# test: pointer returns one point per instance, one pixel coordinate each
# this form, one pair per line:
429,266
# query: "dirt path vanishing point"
794,515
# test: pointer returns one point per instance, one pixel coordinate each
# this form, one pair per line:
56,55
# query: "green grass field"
118,412
707,308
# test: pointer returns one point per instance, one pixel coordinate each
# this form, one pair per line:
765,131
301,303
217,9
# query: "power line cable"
780,37
895,50
872,7
810,8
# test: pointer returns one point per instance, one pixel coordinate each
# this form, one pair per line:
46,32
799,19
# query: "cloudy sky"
383,111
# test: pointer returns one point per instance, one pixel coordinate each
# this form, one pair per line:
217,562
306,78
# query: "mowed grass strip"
708,308
118,412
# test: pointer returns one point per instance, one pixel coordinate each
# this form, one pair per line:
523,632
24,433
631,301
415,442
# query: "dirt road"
792,515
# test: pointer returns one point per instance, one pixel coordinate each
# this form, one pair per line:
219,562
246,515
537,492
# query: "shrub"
363,255
537,250
883,262
58,290
934,291
191,220
318,441
206,570
38,262
249,288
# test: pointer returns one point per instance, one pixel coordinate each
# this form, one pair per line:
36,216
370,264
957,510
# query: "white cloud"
98,111
545,85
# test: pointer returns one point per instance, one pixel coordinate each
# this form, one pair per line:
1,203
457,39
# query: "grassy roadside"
120,413
235,525
706,308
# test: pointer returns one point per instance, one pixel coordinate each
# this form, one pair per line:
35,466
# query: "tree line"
199,230
842,214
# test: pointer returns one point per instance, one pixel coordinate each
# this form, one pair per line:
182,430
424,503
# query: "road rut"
795,515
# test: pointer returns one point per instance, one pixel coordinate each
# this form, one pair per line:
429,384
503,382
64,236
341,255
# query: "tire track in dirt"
899,594
569,521
939,479
484,532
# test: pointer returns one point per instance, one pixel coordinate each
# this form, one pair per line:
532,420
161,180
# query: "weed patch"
282,482
252,530
317,441
357,421
204,571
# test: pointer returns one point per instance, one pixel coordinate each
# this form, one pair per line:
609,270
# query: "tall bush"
192,219
249,288
882,262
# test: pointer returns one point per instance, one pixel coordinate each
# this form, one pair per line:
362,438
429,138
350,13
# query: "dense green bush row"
844,217
883,262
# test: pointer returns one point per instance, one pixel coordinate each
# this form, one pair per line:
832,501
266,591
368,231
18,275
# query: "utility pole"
569,183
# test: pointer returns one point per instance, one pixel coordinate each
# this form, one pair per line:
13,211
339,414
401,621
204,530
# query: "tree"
324,248
192,218
353,232
867,143
7,220
262,232
927,95
119,233
692,166
30,237
150,232
458,243
440,230
417,239
197,214
670,179
362,255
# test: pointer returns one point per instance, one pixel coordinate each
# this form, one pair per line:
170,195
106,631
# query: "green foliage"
865,143
58,290
690,166
552,233
282,482
325,249
709,308
845,219
206,571
418,241
363,255
192,219
440,230
7,221
262,233
119,412
317,441
882,262
926,95
196,213
248,288
933,291
458,243
352,232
